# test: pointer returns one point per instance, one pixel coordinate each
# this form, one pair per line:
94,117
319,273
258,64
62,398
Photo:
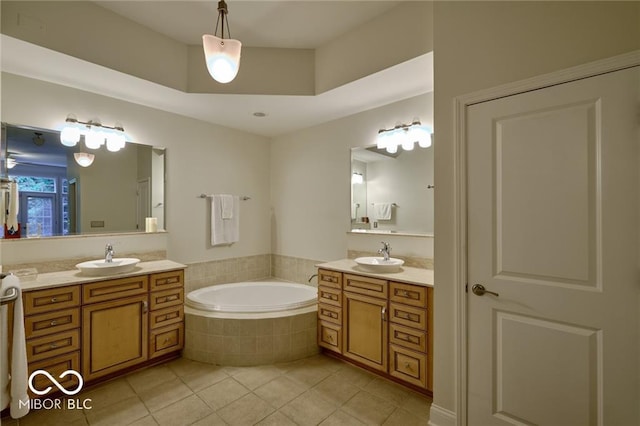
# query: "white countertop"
407,274
63,278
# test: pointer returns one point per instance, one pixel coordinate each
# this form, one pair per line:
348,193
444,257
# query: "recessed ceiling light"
259,114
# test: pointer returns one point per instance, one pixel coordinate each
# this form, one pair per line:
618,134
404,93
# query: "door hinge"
466,288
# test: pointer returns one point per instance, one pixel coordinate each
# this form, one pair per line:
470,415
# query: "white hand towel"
224,231
382,211
19,405
226,206
12,218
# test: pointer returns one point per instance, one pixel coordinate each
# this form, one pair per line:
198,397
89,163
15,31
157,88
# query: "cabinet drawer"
330,336
56,366
329,278
171,279
165,317
166,298
365,285
330,296
408,294
39,301
408,365
122,288
408,315
51,322
166,340
48,346
330,313
407,337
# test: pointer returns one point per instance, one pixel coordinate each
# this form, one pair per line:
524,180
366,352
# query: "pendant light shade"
84,159
222,57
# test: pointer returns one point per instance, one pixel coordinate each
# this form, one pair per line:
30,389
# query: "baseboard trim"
439,416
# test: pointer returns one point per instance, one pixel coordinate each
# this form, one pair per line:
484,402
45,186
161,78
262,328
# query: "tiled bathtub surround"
294,269
248,268
244,342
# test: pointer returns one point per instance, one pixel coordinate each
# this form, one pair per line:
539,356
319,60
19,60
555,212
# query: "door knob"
479,290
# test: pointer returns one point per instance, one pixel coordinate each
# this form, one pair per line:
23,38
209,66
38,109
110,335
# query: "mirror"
57,196
392,193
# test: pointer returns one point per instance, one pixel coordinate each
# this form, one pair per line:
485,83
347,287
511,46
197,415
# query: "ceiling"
300,24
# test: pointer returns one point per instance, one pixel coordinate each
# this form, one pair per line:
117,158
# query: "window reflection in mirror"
59,197
395,183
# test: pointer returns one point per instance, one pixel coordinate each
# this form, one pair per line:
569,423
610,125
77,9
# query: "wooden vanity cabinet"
365,335
115,325
166,316
384,325
330,310
52,331
105,327
408,333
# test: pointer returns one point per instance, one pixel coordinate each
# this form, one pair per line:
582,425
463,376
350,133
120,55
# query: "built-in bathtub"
251,323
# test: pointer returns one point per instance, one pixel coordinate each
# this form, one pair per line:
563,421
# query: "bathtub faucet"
311,277
385,250
108,253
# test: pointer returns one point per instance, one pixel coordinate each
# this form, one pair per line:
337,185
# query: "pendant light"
222,55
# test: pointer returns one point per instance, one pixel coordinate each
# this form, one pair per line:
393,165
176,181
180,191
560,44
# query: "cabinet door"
114,336
365,330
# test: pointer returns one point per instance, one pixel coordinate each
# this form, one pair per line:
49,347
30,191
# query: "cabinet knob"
54,299
54,322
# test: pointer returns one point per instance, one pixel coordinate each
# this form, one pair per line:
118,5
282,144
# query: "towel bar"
242,197
393,204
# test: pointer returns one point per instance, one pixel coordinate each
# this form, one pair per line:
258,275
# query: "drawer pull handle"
404,293
54,322
54,299
330,337
408,366
170,298
53,346
383,313
145,307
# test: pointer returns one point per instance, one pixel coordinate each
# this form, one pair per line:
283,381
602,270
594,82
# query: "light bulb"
407,144
115,141
93,139
70,135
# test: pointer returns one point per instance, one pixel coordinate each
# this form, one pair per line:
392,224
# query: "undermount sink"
378,264
101,267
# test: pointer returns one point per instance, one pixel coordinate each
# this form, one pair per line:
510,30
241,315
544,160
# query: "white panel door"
553,229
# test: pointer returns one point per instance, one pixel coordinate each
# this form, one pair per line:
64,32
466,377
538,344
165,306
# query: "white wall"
311,180
480,45
201,158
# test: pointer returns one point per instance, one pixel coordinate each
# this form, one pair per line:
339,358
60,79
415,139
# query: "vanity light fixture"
405,136
357,178
222,55
95,134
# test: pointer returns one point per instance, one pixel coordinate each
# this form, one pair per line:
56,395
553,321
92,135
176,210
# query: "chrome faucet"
108,253
385,250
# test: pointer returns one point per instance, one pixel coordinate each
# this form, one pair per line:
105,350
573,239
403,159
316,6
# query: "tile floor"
314,391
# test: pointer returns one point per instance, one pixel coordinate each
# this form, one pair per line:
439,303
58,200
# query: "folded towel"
12,218
16,394
382,211
224,231
226,206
